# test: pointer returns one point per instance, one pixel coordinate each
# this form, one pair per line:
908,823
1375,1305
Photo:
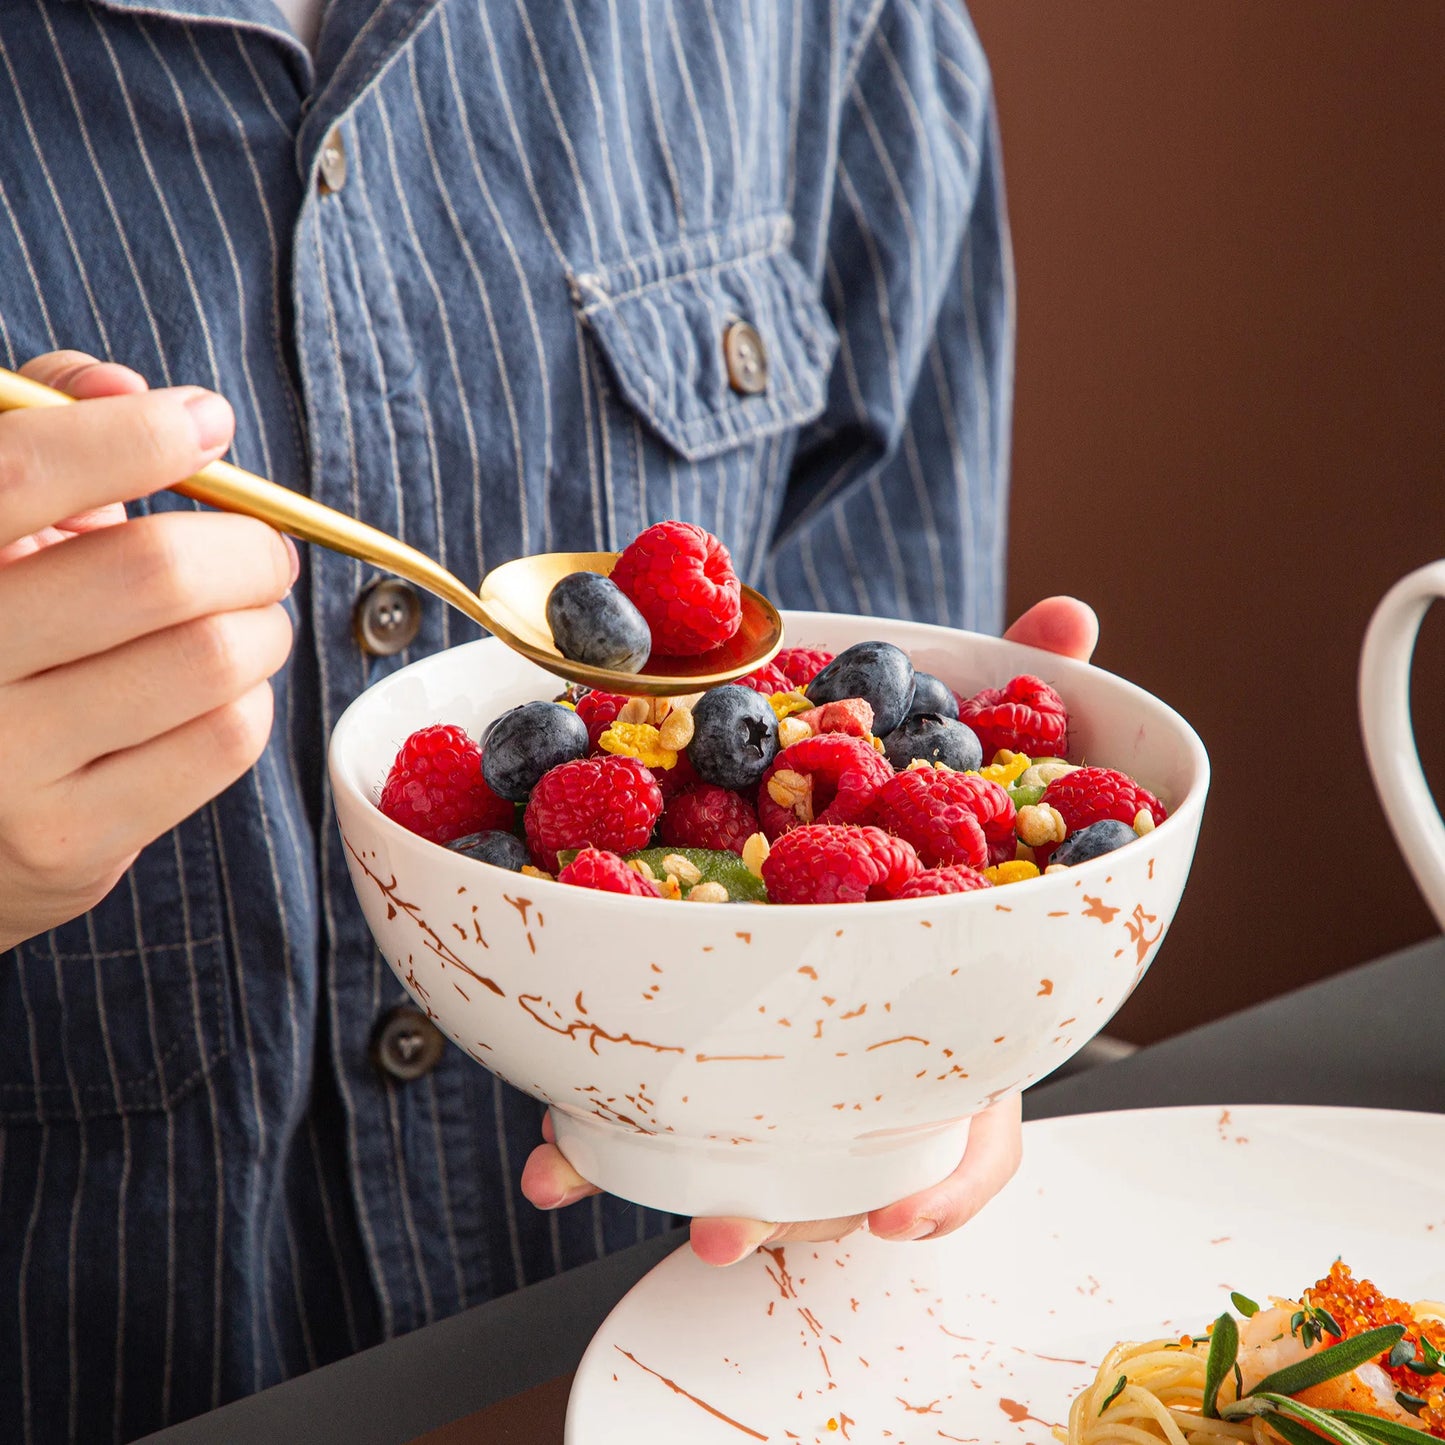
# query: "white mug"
1390,738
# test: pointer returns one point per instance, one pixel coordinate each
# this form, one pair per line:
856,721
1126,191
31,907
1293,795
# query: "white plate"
1118,1226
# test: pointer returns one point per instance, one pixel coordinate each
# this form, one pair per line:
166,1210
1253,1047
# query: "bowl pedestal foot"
758,1180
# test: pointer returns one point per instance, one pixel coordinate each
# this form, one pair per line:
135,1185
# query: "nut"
792,730
676,731
1143,822
658,708
1057,868
1044,771
1025,854
635,710
755,853
642,866
530,872
919,765
708,893
671,888
1040,824
792,790
676,866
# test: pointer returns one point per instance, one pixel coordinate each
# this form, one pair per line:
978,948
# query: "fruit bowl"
776,1062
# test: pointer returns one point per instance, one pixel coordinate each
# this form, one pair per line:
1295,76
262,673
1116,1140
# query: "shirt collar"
358,40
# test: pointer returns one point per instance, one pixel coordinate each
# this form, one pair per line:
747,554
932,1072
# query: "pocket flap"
661,321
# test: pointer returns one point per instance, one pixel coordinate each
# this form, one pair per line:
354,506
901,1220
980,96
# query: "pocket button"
405,1044
746,357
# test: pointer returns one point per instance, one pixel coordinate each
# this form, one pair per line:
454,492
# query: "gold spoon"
512,602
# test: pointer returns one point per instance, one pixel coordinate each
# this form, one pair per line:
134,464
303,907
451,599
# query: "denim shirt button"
746,357
405,1044
386,617
333,163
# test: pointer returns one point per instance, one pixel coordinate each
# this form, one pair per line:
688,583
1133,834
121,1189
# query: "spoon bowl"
512,602
515,598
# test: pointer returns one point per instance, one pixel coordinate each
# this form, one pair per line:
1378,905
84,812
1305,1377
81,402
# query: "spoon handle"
231,489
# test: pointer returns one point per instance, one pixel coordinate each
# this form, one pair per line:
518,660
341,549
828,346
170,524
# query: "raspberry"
599,711
827,779
597,868
802,664
853,716
682,581
956,878
948,817
1089,795
708,817
1025,715
605,802
435,787
677,779
829,863
767,680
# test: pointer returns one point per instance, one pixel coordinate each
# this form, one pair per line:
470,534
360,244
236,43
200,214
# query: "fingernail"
568,1196
295,558
213,419
920,1229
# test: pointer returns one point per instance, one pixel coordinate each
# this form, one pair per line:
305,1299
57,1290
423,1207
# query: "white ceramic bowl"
768,1061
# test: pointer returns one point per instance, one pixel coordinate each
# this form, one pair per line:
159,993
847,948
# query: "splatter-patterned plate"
1118,1226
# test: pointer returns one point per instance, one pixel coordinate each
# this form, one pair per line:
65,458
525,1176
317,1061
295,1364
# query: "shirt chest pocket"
720,346
124,1010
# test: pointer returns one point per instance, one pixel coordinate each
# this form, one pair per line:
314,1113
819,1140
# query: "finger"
1058,624
118,805
57,461
550,1182
151,686
995,1146
108,587
723,1241
82,376
63,531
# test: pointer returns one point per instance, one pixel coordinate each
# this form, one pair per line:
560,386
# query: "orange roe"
1357,1305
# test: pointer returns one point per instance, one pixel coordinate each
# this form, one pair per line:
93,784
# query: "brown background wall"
1229,229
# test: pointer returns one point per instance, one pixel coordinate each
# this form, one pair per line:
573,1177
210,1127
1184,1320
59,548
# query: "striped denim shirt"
500,335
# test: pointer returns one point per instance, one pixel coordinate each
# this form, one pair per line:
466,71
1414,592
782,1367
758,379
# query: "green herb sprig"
1295,1422
1114,1393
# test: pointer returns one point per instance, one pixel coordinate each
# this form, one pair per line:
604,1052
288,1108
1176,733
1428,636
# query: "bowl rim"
1187,811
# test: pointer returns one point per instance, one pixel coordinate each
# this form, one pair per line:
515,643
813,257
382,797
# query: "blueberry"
1091,842
876,671
501,850
593,621
932,695
527,742
734,738
936,740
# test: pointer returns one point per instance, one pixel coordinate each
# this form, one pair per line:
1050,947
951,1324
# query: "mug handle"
1389,737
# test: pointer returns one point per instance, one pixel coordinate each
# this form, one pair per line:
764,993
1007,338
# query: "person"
499,279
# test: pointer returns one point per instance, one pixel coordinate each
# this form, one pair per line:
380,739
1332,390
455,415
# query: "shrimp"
1266,1344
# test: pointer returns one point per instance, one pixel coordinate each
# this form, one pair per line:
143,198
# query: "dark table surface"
499,1373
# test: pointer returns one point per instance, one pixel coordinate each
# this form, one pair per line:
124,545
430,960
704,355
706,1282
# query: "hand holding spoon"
512,600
